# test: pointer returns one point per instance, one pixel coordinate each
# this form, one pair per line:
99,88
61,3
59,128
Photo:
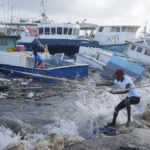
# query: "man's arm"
126,90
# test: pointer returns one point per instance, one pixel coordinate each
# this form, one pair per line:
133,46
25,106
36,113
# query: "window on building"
3,42
53,31
47,30
147,52
40,30
133,47
59,30
65,31
100,29
70,31
139,49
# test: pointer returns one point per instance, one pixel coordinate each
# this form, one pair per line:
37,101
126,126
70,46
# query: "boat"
107,62
96,58
58,37
114,37
132,69
139,51
55,70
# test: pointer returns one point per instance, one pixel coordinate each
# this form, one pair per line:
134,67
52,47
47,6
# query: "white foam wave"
63,127
7,137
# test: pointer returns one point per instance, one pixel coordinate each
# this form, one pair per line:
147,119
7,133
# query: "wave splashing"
7,137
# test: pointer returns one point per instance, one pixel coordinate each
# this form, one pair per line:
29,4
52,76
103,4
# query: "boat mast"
11,14
44,7
3,11
10,10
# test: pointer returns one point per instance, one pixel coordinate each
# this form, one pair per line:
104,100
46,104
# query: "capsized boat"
107,62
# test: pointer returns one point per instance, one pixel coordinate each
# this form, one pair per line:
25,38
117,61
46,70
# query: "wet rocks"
146,115
50,142
16,146
57,142
138,138
43,145
125,130
15,125
74,140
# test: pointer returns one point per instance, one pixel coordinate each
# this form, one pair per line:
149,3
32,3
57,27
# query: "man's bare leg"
127,102
113,123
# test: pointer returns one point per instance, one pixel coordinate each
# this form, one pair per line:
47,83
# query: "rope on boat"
47,77
137,87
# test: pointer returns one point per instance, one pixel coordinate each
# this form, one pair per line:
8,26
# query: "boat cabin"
58,30
140,51
109,35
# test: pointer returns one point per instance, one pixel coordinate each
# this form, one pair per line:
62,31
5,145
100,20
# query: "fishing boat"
114,37
58,37
96,58
56,69
139,51
107,62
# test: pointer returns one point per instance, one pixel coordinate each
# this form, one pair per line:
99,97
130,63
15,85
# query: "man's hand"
112,92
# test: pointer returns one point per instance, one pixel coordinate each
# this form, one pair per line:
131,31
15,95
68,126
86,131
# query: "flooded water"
77,110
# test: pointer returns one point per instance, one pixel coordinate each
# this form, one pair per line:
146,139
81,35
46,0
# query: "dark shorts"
133,100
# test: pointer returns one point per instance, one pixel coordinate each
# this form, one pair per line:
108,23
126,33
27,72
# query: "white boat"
139,51
94,57
107,62
114,37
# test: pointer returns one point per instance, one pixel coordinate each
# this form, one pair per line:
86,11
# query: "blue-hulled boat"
132,69
58,37
56,69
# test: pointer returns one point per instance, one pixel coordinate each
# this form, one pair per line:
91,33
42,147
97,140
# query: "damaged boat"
56,69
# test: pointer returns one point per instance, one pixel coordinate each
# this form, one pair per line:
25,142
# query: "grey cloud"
127,10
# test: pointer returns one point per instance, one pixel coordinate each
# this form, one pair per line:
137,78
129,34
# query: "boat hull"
53,75
116,47
67,46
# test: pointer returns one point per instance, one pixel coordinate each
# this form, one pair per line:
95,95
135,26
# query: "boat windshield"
58,31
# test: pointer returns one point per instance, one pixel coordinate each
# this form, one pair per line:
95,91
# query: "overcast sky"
101,12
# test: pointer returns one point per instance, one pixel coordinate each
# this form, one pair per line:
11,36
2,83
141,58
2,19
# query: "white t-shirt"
122,84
